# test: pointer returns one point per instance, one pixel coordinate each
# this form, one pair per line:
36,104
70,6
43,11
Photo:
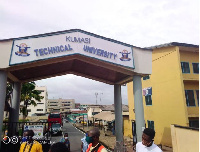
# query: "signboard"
42,48
85,118
37,129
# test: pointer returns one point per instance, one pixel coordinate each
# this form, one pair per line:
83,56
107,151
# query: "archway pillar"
118,118
3,84
14,112
138,105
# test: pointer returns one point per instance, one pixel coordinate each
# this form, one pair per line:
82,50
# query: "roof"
105,115
173,44
72,31
112,108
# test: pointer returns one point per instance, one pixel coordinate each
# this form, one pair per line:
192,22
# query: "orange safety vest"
98,150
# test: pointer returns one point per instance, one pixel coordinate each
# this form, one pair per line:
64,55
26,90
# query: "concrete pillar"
118,118
14,114
138,104
3,85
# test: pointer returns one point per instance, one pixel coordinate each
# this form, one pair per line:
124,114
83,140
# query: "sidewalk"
109,140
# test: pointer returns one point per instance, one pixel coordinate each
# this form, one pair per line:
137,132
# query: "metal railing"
12,139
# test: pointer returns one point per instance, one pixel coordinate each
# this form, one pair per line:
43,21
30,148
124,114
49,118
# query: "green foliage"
29,95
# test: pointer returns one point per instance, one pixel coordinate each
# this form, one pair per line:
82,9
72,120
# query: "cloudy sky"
142,23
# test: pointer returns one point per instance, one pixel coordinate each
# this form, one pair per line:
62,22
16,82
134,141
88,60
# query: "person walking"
84,145
93,141
30,145
65,140
147,144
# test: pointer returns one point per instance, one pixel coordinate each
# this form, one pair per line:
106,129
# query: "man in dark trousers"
93,141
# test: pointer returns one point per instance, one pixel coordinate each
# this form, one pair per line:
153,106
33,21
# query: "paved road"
74,137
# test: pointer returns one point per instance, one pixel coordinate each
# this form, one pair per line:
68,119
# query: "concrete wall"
93,109
5,51
142,61
127,126
184,139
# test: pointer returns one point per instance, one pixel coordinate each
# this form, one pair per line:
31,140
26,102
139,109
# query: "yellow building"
175,90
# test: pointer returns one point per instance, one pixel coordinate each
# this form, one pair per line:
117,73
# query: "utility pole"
100,97
96,94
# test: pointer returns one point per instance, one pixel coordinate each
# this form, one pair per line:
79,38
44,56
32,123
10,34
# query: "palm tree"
29,95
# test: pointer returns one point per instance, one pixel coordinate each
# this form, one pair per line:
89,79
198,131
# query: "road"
74,137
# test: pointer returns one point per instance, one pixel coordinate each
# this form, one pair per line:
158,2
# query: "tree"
29,95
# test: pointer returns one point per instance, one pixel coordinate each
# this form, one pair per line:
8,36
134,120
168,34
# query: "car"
56,129
65,120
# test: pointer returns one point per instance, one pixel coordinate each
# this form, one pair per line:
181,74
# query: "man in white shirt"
147,144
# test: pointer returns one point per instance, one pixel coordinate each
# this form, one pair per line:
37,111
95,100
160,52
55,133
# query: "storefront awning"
105,115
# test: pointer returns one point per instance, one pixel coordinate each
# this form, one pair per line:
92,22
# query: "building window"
40,103
29,110
40,91
197,93
189,95
150,124
94,113
53,105
195,68
194,123
39,109
146,77
185,67
148,100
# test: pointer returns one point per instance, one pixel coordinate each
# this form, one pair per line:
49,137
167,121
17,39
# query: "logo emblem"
125,54
22,50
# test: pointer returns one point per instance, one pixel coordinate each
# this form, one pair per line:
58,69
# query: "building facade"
41,107
171,93
60,105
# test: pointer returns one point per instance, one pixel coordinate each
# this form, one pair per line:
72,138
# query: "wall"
93,109
184,139
142,61
5,50
127,126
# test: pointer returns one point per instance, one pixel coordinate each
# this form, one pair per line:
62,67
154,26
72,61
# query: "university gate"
77,52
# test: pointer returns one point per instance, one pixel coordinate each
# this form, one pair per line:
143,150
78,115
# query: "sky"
140,23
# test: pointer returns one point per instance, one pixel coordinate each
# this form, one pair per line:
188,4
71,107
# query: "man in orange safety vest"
93,141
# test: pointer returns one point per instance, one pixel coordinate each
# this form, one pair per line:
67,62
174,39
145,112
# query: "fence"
12,139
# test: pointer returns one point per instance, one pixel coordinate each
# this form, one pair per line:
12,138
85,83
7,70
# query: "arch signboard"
32,49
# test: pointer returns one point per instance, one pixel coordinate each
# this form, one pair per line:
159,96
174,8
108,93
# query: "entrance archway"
78,52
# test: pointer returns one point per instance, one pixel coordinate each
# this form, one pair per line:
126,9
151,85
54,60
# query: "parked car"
65,120
56,129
